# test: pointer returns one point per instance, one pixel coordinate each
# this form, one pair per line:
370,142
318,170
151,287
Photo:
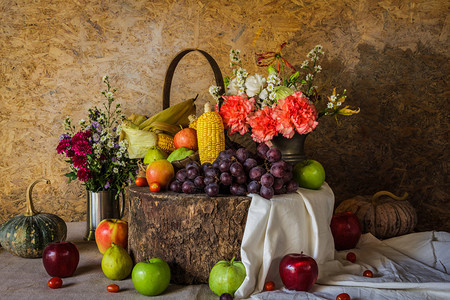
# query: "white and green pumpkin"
28,234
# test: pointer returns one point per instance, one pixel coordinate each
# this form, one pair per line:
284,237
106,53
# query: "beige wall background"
391,56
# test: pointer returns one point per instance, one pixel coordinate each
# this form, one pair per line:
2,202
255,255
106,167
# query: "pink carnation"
263,123
83,174
234,112
79,161
295,112
63,145
80,143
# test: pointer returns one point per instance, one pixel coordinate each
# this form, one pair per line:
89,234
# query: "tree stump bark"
191,232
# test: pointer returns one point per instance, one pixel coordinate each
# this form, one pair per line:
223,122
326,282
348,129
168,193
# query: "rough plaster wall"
392,56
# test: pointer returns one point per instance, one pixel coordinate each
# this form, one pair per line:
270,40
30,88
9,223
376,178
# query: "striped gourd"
210,135
381,216
165,142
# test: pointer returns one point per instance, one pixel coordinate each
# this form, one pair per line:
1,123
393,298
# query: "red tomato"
112,288
141,181
155,187
343,296
55,283
269,286
351,257
368,273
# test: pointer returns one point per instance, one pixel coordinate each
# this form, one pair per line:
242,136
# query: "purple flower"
64,136
114,159
107,185
116,145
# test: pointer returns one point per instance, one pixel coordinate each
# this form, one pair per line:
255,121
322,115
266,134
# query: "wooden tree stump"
190,232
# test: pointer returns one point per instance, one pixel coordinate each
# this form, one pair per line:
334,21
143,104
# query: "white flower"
333,98
272,96
330,105
233,87
81,122
115,170
105,78
109,94
254,84
318,68
339,103
270,87
119,154
263,95
309,77
110,144
305,64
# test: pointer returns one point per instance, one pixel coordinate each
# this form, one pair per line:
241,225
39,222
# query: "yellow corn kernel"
165,142
210,135
193,122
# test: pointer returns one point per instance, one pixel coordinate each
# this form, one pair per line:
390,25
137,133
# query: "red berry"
269,286
343,296
368,273
351,257
55,283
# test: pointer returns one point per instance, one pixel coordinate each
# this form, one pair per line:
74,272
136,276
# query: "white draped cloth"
289,223
414,266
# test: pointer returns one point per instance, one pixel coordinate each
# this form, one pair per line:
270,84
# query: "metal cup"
102,205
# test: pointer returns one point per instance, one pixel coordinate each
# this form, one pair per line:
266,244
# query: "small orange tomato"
141,181
351,257
269,286
343,296
368,273
154,187
112,288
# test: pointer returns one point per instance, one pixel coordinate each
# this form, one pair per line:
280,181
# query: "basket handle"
171,70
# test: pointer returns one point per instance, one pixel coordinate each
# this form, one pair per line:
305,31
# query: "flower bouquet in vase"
279,109
98,159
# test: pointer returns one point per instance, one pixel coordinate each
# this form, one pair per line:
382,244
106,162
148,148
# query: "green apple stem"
232,260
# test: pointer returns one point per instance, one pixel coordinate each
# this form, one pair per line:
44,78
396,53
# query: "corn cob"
192,122
162,127
165,142
175,115
210,135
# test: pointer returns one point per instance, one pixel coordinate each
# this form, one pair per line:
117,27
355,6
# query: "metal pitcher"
102,205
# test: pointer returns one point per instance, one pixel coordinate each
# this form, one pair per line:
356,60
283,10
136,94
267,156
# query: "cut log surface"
191,232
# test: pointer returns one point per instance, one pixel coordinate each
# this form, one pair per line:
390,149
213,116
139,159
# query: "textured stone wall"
391,56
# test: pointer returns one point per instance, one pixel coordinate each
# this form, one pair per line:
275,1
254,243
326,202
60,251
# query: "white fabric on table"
413,266
290,223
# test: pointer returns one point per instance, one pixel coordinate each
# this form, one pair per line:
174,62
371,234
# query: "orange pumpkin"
382,216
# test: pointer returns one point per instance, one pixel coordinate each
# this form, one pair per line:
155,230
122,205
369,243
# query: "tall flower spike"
269,58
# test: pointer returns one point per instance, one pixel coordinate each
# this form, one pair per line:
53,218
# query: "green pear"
116,263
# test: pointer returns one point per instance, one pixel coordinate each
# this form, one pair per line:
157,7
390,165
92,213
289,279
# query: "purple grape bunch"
238,172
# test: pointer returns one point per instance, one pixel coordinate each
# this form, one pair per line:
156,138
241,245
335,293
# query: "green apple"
151,277
226,277
309,174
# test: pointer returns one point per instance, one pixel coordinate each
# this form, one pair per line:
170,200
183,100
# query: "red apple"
298,271
186,137
111,231
60,259
346,230
160,171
